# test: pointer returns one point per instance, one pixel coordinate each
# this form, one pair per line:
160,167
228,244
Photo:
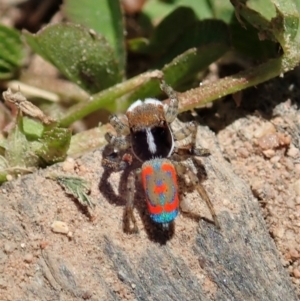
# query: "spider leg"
181,153
129,215
171,110
190,129
120,127
118,142
183,169
121,141
115,162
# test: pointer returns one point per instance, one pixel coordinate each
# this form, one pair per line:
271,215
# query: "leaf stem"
231,84
106,98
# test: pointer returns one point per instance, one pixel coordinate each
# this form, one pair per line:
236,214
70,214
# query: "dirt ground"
91,258
260,140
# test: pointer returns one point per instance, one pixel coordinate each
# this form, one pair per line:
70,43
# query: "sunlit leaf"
199,34
166,33
77,187
53,145
83,56
105,17
275,19
11,52
32,129
157,10
185,65
18,150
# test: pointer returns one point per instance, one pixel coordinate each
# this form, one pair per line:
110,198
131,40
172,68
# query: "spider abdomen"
160,185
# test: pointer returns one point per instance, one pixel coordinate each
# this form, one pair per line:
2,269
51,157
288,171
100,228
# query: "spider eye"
113,156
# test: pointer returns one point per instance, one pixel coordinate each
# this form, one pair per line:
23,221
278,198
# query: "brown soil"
96,260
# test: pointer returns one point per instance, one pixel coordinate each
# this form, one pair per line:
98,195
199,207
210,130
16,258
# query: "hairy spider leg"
182,169
129,215
190,129
120,127
171,110
121,141
118,142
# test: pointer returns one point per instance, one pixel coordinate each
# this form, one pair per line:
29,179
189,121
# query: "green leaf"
31,128
77,187
82,56
54,144
3,169
275,19
157,10
169,30
246,41
6,69
221,9
185,65
139,45
199,34
11,51
18,150
105,17
106,99
30,145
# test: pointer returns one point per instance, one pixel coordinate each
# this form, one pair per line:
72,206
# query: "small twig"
19,102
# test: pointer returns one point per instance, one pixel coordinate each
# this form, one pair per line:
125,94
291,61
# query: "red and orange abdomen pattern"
160,185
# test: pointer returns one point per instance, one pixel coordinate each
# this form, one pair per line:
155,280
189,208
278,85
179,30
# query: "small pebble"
9,177
297,168
269,153
226,202
279,232
269,141
296,272
289,165
275,159
60,227
243,152
185,205
122,275
284,139
44,244
9,247
296,187
28,258
293,152
266,129
294,254
82,168
68,165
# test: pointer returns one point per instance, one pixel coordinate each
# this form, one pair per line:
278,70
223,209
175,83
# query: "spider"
147,131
